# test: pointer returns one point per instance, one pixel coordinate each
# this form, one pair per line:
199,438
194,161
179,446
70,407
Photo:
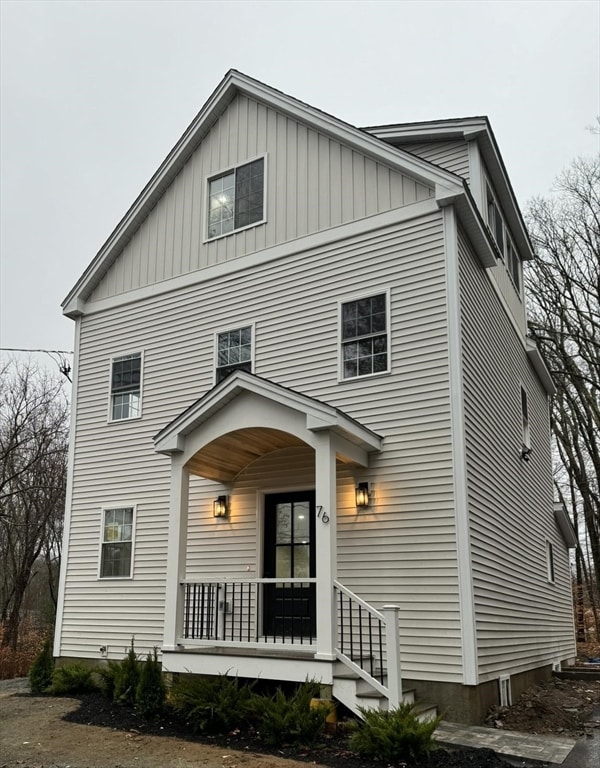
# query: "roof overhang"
565,525
233,83
245,416
468,129
539,366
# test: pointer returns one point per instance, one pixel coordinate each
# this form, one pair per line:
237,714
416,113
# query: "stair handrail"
389,619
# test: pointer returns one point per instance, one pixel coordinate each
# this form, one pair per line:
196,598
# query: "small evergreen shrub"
73,678
40,674
107,676
212,705
150,692
393,736
290,719
126,678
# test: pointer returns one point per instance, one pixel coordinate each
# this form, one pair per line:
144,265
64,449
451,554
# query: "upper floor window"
364,336
236,198
234,350
525,419
495,222
125,387
116,549
549,561
514,265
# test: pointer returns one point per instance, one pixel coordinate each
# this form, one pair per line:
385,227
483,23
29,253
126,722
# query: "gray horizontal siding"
313,183
451,155
401,550
522,621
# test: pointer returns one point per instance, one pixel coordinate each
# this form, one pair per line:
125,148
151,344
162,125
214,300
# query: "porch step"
356,694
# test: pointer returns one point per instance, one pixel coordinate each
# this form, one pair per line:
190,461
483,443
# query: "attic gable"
237,92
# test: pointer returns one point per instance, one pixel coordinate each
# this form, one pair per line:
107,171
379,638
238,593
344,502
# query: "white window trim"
139,352
103,510
237,327
525,422
215,175
550,562
504,689
366,294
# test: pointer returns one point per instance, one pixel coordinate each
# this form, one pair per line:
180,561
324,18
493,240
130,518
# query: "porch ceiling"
224,458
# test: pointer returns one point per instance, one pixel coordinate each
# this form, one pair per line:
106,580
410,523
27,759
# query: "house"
310,434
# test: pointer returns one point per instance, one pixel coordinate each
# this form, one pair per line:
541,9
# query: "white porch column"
326,544
394,667
176,551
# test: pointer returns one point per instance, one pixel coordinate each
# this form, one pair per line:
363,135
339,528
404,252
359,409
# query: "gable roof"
467,128
447,185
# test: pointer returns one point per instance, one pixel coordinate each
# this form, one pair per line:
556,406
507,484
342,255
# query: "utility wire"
63,365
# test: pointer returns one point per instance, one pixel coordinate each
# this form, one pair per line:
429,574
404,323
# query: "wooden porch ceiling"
224,458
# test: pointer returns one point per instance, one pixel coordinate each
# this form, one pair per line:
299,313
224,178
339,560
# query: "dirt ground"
50,732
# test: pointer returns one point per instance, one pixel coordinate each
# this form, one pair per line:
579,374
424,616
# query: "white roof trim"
235,82
539,366
319,415
565,525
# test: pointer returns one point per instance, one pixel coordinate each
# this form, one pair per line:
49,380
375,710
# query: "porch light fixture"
220,506
362,495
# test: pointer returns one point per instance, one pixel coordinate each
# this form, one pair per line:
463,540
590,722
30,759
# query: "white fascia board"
319,415
539,366
235,82
440,130
565,525
471,221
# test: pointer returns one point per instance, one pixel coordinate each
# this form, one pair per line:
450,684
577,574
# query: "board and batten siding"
453,156
522,621
402,549
313,183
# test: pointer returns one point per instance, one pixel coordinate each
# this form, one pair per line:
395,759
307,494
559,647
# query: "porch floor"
526,746
262,652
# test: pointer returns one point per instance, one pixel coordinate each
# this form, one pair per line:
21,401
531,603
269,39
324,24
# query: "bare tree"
564,289
33,463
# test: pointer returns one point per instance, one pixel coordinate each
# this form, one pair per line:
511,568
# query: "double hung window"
116,555
236,198
364,336
234,351
125,387
495,222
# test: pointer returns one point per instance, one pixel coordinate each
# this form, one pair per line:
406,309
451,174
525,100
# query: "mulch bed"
331,750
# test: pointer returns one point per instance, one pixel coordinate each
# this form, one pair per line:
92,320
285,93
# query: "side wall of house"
523,621
451,155
402,549
312,182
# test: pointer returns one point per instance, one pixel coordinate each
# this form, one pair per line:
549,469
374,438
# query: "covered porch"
291,617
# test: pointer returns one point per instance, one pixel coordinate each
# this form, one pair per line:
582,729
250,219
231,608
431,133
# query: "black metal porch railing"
360,633
252,611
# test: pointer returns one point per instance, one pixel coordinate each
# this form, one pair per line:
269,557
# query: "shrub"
212,705
73,678
290,719
394,735
150,692
40,674
107,675
126,678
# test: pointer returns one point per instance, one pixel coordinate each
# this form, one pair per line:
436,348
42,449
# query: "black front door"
289,553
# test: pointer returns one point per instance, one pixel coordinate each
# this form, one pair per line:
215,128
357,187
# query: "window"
514,265
549,561
364,337
117,543
234,350
505,690
495,222
236,198
125,387
525,419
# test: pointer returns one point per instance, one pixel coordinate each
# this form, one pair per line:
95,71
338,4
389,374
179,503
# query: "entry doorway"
289,610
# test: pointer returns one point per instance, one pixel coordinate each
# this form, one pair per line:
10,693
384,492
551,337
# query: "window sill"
234,231
365,377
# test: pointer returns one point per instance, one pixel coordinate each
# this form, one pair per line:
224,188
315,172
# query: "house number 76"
322,515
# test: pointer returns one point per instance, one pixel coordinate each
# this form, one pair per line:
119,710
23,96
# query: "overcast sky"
95,94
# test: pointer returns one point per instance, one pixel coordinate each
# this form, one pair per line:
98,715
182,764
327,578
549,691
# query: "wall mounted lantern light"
362,495
221,506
